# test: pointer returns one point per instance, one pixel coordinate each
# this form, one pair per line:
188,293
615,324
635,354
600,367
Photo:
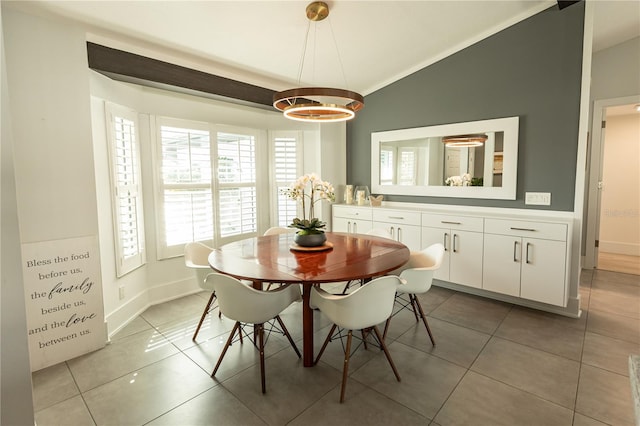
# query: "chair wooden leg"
412,299
226,346
286,333
204,314
326,341
386,352
424,319
261,348
386,328
345,369
364,338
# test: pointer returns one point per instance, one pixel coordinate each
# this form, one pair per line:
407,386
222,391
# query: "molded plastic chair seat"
418,276
196,257
246,305
362,309
277,230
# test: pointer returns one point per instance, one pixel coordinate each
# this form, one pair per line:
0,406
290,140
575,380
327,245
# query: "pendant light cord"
304,52
335,43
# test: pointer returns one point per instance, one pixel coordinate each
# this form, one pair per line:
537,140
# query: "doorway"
613,224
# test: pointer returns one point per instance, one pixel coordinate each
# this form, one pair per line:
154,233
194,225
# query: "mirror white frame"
507,191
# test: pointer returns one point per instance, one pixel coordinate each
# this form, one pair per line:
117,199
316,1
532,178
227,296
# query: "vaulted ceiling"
362,45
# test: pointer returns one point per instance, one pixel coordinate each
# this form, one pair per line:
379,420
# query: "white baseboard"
128,311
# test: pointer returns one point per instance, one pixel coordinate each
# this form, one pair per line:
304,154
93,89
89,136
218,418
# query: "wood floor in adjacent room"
619,263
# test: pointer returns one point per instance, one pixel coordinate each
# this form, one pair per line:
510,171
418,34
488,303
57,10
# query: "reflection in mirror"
421,160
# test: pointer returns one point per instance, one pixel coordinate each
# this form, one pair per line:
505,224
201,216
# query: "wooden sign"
63,296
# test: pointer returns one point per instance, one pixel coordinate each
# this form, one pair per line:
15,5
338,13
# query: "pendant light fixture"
317,104
465,141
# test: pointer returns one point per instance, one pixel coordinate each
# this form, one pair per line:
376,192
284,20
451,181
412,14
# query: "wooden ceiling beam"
130,67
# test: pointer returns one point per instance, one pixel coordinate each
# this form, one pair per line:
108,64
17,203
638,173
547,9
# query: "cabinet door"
501,265
465,266
360,226
409,235
438,235
341,224
543,271
353,226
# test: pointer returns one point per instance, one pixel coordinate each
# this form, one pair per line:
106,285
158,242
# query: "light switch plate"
538,198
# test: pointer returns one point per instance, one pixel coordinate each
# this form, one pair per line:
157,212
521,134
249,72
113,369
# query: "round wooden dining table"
277,259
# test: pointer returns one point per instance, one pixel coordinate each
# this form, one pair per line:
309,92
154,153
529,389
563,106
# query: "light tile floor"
494,364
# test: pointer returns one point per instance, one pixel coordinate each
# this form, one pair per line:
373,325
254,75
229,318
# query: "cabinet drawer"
352,212
466,223
400,217
522,228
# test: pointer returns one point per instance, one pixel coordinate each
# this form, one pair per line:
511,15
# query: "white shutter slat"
286,159
127,199
186,178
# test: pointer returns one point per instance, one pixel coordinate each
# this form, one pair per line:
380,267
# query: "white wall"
620,200
615,71
16,401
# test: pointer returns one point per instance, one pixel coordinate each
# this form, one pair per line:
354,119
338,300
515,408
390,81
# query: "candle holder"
361,195
348,194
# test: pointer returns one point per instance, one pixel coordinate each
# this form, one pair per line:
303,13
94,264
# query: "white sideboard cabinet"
462,239
526,259
514,255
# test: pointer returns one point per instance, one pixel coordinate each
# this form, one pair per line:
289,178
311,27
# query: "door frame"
595,174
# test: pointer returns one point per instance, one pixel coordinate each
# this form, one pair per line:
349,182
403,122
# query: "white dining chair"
362,309
418,275
277,230
248,306
377,232
196,257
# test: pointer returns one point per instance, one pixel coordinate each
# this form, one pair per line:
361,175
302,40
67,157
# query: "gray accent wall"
532,70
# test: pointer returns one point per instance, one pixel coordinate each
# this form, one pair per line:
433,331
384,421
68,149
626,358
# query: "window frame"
261,181
125,264
261,184
275,184
163,250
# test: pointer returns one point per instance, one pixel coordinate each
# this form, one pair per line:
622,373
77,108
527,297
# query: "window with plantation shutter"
124,160
287,166
186,207
237,208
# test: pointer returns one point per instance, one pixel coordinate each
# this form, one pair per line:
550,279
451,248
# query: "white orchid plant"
309,189
464,180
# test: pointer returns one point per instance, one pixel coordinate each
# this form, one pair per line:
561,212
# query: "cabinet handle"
451,223
527,254
355,228
392,232
444,242
348,227
523,229
515,251
396,217
400,234
455,237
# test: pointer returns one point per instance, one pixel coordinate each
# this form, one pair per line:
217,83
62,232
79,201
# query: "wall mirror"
477,159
